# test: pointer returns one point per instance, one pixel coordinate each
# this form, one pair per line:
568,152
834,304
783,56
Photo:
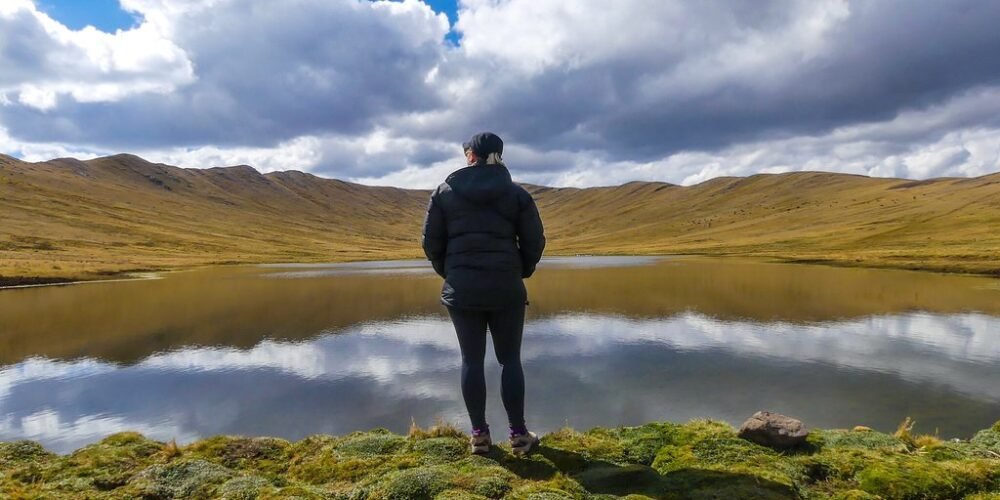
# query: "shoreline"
697,459
32,282
15,282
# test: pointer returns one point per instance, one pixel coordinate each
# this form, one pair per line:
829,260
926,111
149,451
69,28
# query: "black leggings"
506,327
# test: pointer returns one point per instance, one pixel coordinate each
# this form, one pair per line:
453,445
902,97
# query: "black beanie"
485,143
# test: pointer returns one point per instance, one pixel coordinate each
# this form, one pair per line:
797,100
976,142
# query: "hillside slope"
67,218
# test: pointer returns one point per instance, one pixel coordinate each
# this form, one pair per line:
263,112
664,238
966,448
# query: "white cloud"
44,59
301,153
37,97
30,151
697,42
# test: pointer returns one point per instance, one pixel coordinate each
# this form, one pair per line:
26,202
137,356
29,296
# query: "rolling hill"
70,219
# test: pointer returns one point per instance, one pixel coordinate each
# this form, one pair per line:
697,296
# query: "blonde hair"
495,159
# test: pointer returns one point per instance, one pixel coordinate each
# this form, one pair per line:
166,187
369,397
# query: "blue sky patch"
450,9
105,15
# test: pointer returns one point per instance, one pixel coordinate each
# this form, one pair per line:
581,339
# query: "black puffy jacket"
483,235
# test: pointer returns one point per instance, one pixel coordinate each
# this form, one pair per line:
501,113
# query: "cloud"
583,93
44,60
646,79
265,74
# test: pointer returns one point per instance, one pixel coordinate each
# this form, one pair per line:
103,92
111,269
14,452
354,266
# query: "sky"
583,92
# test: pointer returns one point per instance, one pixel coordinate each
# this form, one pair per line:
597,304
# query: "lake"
290,350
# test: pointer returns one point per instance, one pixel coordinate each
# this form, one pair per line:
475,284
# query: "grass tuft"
171,450
440,428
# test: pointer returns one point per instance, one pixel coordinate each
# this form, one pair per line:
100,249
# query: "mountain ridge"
67,218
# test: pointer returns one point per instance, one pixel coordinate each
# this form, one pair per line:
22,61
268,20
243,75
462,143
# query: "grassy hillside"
90,219
701,459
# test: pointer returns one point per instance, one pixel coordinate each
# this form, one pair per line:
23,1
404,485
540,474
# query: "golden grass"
67,219
441,428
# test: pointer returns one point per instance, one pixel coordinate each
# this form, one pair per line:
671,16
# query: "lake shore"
698,459
980,266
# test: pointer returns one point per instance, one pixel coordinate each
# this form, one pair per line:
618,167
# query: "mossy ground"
699,459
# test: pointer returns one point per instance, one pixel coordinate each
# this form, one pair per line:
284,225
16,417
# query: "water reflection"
255,350
939,369
126,321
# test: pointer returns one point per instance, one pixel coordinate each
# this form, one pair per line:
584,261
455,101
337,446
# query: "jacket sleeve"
530,235
435,239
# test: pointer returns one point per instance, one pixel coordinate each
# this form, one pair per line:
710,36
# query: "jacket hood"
480,183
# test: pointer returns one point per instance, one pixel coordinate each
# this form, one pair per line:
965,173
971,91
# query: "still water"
291,350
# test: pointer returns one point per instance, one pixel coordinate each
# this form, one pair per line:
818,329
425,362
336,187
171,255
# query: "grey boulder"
773,430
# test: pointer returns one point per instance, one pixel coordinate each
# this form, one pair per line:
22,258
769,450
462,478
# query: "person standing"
484,236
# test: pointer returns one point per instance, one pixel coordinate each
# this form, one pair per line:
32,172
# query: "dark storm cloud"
19,55
344,158
882,59
267,72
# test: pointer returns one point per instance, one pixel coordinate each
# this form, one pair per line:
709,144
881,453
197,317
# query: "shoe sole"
526,448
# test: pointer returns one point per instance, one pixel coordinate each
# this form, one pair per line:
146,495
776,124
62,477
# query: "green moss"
731,455
836,467
534,466
983,496
988,438
440,449
313,444
699,459
475,475
22,465
738,487
641,444
622,480
187,478
266,456
298,492
458,495
245,488
327,466
491,486
671,458
417,483
105,465
596,444
863,440
954,451
360,456
22,452
482,476
378,442
560,487
912,477
854,495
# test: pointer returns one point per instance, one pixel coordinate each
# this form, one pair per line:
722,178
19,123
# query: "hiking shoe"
523,443
481,443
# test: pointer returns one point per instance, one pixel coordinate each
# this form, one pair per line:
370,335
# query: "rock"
773,430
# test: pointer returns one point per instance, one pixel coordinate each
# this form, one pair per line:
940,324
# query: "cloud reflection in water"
583,369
